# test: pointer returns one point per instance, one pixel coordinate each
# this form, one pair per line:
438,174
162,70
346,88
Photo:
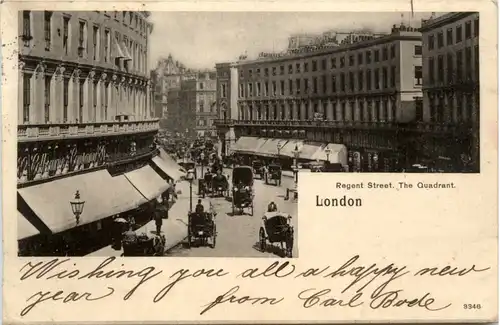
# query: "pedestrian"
199,207
158,220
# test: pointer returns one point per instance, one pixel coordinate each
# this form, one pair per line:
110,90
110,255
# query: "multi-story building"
168,74
227,101
448,124
351,92
85,129
193,108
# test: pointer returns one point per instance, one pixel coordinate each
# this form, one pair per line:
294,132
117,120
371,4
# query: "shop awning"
117,50
289,147
104,196
309,149
270,147
168,165
248,145
147,182
337,154
25,229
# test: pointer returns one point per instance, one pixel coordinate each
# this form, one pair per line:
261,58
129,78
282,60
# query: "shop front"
82,218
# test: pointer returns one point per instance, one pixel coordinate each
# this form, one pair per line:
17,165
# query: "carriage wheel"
287,195
289,245
189,236
262,240
214,236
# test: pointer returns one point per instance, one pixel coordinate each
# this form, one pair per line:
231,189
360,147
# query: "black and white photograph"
183,134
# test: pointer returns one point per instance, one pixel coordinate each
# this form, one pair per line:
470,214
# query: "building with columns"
86,129
448,124
351,90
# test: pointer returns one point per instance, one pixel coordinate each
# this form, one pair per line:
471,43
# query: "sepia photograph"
183,134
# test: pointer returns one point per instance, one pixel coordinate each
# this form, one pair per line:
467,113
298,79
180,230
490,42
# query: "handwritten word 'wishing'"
60,269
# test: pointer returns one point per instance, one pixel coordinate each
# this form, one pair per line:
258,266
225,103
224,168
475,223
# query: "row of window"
322,65
439,112
453,37
456,67
122,94
208,122
129,18
137,51
363,80
379,110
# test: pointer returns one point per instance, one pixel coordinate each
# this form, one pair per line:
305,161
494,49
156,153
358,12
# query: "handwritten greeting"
377,286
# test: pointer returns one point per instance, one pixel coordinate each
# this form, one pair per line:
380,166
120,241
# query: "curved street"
238,235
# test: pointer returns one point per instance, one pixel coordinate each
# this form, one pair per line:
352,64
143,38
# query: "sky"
201,39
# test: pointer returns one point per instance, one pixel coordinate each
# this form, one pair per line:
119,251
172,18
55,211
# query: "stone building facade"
450,115
354,92
86,129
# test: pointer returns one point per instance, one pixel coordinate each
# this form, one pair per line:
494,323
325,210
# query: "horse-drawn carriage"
219,185
277,228
145,245
273,174
258,168
243,194
205,185
201,227
188,165
214,185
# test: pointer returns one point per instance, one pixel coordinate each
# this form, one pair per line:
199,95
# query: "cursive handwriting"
229,297
73,296
317,298
276,269
448,270
54,269
393,299
183,274
370,273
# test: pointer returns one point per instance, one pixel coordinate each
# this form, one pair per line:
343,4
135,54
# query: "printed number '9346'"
472,306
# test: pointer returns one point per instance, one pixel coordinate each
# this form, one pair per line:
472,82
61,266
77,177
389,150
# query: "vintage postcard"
239,162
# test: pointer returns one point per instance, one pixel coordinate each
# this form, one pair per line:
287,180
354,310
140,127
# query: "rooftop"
332,41
443,19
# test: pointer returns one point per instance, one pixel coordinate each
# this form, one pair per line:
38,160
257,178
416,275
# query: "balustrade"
366,125
41,132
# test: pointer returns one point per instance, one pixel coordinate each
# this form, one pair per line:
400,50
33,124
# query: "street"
237,236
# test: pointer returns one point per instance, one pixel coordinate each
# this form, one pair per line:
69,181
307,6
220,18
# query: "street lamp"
202,157
279,147
328,151
190,178
296,154
77,207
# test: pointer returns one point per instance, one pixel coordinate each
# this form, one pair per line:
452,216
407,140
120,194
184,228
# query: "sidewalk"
174,228
289,173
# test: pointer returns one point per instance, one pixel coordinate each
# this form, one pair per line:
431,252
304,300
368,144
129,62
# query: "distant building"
227,102
449,118
197,108
168,74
